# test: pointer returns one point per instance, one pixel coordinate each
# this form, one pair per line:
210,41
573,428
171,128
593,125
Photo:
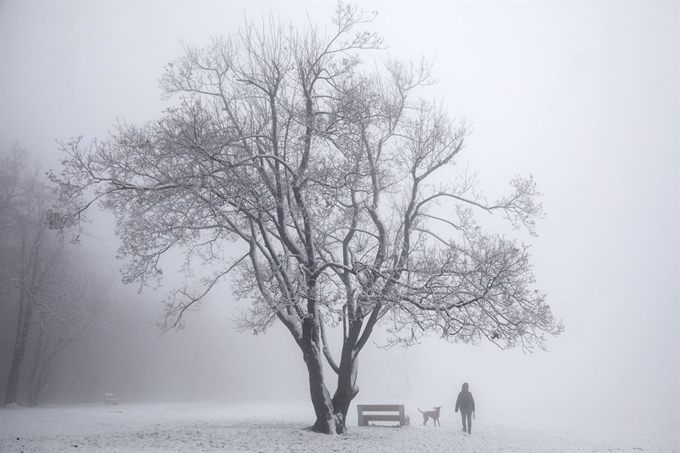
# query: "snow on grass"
284,427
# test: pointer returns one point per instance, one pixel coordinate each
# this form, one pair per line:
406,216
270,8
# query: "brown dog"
434,415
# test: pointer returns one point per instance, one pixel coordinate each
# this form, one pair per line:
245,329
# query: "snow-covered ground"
198,427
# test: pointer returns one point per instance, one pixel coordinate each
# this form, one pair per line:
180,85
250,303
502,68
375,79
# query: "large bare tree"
337,178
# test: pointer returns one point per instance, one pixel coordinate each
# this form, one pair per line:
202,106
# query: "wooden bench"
382,413
110,400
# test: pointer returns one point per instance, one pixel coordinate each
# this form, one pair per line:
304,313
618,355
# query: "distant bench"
382,413
110,400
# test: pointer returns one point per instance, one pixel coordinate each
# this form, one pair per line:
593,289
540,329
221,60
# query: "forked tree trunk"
327,421
331,413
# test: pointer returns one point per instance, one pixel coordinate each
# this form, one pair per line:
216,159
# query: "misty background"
584,96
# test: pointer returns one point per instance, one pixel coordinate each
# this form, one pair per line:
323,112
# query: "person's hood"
465,387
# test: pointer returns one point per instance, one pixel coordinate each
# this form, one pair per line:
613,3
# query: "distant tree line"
54,303
69,332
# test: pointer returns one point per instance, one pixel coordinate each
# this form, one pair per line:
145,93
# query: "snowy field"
198,427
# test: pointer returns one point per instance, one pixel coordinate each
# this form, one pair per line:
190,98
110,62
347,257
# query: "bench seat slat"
382,418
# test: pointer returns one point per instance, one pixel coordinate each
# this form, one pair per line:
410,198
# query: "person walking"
466,404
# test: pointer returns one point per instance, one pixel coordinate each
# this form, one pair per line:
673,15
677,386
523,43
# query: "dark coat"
465,401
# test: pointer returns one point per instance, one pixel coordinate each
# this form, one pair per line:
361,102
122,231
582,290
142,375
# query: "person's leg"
462,415
469,424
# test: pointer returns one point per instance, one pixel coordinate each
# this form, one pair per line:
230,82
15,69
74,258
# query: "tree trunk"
29,282
347,375
327,420
331,413
38,387
39,362
347,389
20,341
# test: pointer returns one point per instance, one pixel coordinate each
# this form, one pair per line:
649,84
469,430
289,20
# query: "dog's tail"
421,411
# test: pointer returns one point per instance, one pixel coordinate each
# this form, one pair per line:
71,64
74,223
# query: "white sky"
585,96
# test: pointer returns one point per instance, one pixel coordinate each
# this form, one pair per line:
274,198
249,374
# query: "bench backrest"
397,413
380,407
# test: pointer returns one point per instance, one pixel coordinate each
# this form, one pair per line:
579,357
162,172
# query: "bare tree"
336,178
11,166
28,244
48,298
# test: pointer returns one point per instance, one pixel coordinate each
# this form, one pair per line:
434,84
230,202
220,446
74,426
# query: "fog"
584,96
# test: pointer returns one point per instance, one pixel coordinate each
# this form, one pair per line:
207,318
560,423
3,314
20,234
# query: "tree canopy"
338,178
